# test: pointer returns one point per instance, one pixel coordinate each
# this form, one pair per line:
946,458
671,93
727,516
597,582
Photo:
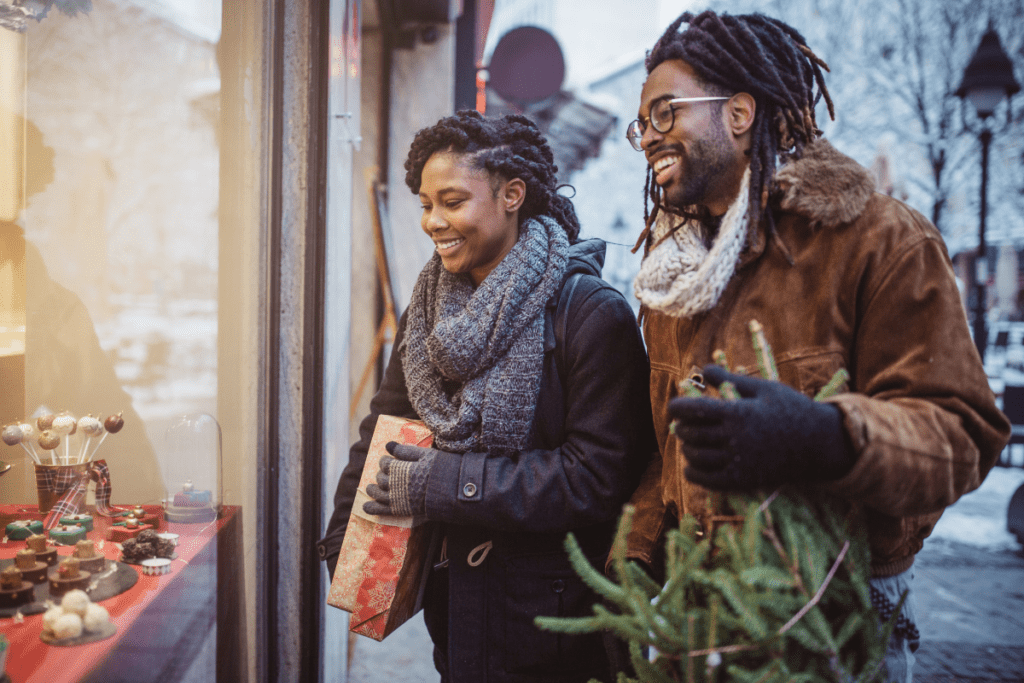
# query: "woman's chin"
452,266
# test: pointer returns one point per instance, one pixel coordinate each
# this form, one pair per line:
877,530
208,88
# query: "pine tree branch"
821,591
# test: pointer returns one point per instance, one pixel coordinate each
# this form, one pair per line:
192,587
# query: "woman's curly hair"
508,147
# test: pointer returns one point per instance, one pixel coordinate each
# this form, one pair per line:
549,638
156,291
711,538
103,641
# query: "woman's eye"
424,207
453,204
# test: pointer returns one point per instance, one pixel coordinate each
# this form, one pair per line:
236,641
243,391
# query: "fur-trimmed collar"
824,185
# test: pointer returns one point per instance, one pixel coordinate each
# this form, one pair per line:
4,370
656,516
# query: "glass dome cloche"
192,466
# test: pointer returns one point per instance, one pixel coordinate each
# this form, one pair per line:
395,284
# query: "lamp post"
987,80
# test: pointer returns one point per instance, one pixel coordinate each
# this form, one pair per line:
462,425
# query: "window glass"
128,293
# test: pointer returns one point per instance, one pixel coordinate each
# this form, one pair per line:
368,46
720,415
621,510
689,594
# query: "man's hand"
401,487
771,435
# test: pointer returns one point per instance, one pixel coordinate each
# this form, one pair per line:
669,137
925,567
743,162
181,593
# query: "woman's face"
472,218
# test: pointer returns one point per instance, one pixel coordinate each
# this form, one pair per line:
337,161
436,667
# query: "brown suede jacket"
855,280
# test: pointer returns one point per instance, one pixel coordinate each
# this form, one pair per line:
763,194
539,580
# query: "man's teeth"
663,163
449,243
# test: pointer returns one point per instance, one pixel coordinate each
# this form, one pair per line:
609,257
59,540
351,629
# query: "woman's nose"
433,220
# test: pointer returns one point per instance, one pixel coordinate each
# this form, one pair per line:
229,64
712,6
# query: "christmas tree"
777,593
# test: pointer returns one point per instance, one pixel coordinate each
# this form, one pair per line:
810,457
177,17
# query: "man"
839,277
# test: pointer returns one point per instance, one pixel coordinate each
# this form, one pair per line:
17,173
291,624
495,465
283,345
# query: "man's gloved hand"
771,435
401,487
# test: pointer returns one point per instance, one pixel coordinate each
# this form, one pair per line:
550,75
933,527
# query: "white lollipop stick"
31,454
102,439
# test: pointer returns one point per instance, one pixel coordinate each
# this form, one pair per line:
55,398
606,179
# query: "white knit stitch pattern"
680,276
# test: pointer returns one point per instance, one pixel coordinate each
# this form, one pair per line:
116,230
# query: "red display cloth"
33,661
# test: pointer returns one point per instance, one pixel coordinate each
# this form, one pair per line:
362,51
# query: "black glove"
771,435
401,487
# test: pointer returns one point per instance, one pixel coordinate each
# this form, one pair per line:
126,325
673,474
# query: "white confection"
12,435
75,602
68,626
90,425
28,432
63,424
96,617
50,618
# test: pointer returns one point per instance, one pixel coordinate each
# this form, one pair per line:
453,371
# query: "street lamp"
987,80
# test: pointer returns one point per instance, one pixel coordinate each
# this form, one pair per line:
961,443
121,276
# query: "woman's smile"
445,247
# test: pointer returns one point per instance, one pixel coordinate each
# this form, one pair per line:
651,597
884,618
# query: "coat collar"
824,186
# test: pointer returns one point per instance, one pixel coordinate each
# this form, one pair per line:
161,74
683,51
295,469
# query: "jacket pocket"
547,585
810,371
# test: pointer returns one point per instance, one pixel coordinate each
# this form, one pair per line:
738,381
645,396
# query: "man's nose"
650,137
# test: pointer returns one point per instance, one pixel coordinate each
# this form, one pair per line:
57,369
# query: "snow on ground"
979,518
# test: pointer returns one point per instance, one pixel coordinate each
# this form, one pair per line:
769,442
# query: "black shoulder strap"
562,319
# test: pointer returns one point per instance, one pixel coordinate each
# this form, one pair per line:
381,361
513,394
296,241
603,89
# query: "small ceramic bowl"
156,566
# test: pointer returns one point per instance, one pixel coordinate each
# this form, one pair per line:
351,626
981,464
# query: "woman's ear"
513,194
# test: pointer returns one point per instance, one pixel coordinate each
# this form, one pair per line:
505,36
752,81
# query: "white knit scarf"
680,276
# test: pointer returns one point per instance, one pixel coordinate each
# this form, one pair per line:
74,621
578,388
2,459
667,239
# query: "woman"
534,383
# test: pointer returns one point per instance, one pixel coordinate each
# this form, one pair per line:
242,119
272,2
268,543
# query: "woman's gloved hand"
401,487
771,435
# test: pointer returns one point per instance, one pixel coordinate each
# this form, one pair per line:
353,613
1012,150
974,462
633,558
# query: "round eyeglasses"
663,117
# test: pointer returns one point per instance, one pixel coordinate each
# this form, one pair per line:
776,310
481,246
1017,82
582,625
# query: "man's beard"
706,164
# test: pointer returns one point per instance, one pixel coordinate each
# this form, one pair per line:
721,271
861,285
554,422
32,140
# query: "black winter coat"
592,438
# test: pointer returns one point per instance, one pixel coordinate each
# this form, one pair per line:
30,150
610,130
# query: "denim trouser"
886,592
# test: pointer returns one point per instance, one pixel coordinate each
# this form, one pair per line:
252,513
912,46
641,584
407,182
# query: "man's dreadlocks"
508,147
760,56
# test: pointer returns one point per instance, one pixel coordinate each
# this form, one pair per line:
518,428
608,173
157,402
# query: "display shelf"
160,620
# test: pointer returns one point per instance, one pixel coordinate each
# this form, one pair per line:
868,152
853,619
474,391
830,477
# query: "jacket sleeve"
922,420
391,399
651,517
608,436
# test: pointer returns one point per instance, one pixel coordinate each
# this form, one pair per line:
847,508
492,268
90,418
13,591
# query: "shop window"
130,270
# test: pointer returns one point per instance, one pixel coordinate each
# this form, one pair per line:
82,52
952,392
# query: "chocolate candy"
85,549
36,543
114,423
68,568
25,559
10,578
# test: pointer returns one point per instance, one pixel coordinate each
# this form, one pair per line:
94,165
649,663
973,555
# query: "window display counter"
163,622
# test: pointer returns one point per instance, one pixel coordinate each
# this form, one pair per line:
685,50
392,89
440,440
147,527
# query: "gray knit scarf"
473,357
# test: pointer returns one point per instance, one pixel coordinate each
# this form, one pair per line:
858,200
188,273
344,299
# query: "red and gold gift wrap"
382,567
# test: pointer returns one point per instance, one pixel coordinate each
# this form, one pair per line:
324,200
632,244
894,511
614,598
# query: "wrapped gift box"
119,534
383,565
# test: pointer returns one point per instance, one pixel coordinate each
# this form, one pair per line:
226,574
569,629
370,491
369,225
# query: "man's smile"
664,167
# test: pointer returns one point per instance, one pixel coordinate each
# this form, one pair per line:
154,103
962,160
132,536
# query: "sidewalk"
969,588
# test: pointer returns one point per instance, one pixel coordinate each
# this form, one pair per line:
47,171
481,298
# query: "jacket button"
469,490
558,585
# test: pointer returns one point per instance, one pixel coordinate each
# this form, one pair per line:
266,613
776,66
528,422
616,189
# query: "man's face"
694,161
